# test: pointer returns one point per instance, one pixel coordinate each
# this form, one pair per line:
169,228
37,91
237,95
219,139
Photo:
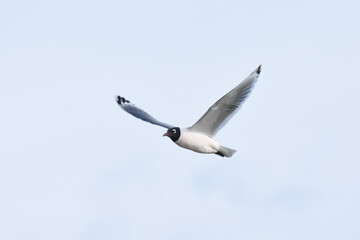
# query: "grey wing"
221,111
139,113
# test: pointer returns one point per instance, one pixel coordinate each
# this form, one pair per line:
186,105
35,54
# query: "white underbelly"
197,142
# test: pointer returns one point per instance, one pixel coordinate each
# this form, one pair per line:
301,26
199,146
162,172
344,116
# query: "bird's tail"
225,152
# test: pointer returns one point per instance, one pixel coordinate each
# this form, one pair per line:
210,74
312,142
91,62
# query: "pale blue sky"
73,165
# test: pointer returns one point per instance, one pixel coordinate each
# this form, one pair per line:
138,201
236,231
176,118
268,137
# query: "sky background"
73,165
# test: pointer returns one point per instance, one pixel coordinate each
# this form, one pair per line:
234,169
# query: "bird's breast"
197,142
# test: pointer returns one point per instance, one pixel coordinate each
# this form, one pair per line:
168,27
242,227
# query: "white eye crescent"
174,130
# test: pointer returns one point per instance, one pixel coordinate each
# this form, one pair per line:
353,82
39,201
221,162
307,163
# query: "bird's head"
173,133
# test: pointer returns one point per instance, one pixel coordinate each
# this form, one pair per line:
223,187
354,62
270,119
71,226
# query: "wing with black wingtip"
221,111
139,113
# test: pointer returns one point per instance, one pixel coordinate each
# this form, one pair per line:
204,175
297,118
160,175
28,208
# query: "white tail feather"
227,152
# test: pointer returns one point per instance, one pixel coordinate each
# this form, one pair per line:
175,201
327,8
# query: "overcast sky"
73,165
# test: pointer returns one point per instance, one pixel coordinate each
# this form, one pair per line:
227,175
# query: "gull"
199,137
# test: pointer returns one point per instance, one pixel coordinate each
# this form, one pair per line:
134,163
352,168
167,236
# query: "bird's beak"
165,134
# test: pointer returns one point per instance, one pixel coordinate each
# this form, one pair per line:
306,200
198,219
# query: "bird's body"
197,142
199,137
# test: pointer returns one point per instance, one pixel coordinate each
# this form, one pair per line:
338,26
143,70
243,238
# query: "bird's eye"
174,130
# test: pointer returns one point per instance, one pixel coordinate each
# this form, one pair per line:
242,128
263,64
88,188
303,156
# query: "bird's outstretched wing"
139,113
221,111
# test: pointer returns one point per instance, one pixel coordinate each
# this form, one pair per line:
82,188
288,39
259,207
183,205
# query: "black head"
173,133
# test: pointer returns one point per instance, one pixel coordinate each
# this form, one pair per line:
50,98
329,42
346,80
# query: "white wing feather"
222,111
139,113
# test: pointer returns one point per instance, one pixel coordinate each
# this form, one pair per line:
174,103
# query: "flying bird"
199,137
